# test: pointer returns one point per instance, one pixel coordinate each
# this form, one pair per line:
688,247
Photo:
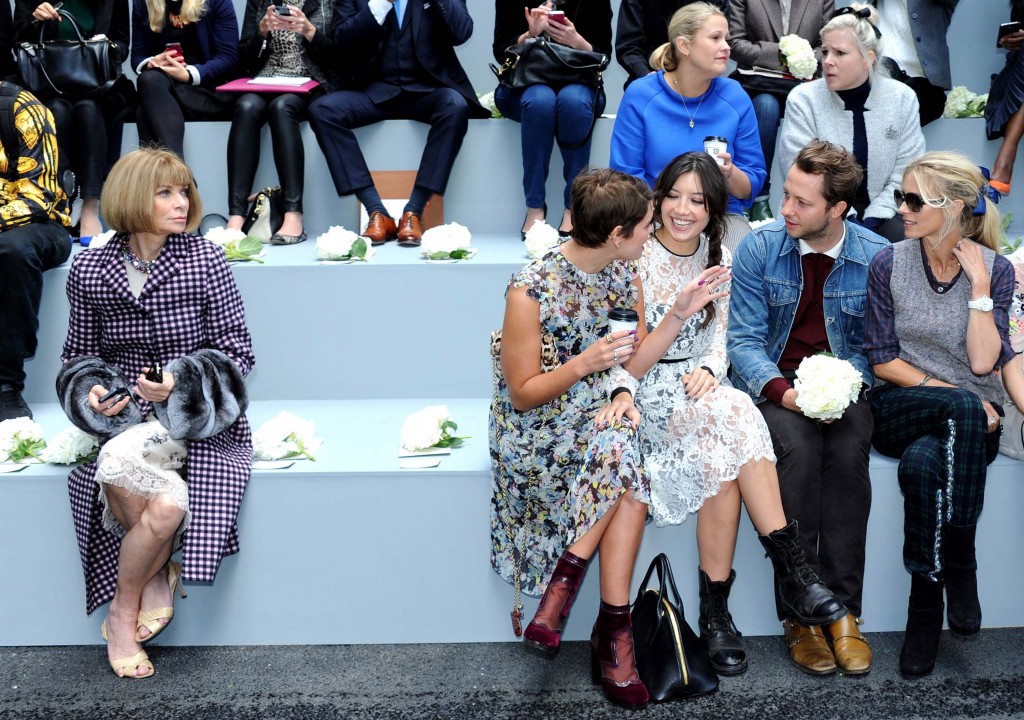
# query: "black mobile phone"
280,8
1005,29
156,373
116,395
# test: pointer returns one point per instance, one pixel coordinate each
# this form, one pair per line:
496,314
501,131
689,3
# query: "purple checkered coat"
189,302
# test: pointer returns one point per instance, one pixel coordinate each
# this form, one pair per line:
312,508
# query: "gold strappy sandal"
128,667
149,619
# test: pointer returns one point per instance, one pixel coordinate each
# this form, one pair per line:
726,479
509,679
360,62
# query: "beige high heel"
149,618
127,667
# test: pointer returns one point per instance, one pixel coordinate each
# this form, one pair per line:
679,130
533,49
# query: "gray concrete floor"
978,678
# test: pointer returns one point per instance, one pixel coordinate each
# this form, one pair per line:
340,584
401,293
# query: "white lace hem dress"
691,446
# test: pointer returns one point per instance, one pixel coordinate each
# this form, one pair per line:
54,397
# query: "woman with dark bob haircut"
567,474
705,444
154,365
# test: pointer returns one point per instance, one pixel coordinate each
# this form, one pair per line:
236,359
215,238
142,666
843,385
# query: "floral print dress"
553,473
691,446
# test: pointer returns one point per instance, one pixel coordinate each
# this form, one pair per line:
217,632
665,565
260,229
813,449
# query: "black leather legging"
82,136
285,113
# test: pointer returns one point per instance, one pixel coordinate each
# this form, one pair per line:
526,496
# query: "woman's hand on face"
108,409
45,11
990,412
968,253
701,290
1013,41
699,382
173,65
621,406
613,349
151,391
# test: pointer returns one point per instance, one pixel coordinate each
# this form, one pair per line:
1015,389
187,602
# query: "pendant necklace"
143,266
685,107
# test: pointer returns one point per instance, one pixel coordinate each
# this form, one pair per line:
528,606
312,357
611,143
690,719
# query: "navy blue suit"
397,72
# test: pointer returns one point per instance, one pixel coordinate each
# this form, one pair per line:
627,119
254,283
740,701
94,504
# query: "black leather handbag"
542,62
672,661
70,68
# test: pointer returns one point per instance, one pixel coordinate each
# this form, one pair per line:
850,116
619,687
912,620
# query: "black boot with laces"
804,597
717,628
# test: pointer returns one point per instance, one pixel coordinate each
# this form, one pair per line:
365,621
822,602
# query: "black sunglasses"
914,201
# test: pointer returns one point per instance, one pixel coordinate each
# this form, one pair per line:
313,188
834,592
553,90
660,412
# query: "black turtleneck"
854,100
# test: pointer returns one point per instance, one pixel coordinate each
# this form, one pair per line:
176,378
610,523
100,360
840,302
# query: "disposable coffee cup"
622,319
714,146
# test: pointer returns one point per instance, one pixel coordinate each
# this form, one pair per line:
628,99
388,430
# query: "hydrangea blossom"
341,244
797,55
70,446
825,386
540,238
446,241
285,436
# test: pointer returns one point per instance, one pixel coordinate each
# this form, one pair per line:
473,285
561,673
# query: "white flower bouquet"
341,244
447,242
796,54
540,238
431,427
962,103
285,436
825,386
70,446
237,246
20,438
487,100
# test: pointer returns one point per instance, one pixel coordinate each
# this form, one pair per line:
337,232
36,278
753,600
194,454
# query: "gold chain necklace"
679,92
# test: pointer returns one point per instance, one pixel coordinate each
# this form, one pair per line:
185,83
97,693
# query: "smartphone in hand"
117,394
155,374
557,16
281,9
174,49
1007,28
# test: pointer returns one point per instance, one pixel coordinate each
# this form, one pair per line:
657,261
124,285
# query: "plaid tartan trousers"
189,302
938,434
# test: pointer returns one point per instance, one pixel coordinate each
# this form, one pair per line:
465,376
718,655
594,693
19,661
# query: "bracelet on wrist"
710,371
678,317
925,379
618,391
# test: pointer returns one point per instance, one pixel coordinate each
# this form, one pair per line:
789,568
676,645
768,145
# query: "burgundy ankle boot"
544,632
612,659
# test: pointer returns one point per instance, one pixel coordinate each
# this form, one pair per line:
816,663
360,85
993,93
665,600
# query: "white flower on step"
444,242
962,103
487,100
100,240
70,446
20,438
222,235
430,427
825,386
341,244
285,436
540,238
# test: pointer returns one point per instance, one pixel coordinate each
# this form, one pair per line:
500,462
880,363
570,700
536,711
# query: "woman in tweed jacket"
154,296
853,105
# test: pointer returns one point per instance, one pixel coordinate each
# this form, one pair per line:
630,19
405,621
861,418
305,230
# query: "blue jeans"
767,110
546,116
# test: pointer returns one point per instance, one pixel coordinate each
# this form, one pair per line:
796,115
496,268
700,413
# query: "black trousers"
285,113
335,115
84,129
26,252
165,105
825,487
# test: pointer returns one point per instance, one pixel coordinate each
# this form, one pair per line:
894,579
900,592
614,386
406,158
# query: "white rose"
540,238
69,446
222,235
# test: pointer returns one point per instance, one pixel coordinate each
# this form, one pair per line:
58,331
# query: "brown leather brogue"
851,651
808,649
410,229
380,228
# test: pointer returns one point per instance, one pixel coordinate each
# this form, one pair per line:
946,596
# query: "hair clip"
864,14
982,207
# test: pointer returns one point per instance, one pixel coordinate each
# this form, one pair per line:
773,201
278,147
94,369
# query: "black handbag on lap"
70,68
672,661
542,62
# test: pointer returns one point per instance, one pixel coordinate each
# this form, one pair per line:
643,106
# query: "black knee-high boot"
924,626
961,577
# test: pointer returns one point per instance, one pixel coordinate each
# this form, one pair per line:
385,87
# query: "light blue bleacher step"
352,549
395,326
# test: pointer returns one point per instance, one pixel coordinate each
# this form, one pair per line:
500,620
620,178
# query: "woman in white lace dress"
705,444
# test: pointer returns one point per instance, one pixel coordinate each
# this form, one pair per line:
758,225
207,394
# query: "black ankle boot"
804,596
924,626
717,628
961,578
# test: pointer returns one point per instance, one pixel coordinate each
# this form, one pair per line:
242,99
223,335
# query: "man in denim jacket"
799,289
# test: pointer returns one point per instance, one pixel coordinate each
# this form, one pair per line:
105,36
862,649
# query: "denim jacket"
767,280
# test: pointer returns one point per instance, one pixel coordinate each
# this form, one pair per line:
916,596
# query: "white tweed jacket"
893,127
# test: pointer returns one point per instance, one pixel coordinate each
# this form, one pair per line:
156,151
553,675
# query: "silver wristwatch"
984,303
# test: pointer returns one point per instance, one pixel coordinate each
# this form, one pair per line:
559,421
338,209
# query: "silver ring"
615,355
992,419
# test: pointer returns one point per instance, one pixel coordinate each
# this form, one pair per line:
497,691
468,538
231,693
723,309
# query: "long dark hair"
716,202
